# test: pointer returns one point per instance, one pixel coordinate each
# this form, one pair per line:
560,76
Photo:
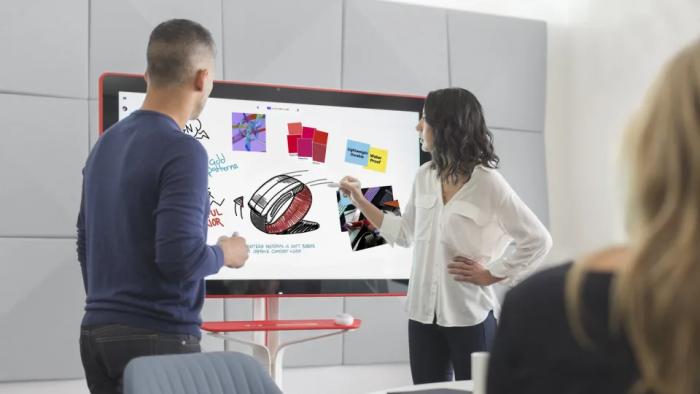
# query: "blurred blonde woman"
625,319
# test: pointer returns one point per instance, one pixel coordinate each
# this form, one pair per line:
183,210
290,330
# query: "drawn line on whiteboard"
238,205
316,180
294,172
212,200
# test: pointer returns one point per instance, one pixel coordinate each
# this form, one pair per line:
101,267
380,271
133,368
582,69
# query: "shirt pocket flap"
426,201
470,211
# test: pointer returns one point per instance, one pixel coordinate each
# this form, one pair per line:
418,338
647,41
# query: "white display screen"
269,168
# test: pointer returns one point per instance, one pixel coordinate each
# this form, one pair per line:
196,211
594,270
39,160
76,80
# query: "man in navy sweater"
142,226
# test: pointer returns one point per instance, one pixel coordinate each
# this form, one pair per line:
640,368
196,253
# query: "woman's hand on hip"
464,269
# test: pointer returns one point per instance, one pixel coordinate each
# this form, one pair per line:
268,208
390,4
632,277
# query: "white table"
457,385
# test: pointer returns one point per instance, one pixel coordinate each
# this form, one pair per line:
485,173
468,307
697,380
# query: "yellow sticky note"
377,159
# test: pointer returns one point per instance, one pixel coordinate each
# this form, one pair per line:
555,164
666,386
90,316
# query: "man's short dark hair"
173,49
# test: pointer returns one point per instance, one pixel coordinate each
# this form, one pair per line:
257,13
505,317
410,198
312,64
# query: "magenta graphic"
305,147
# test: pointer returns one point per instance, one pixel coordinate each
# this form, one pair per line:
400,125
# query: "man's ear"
200,79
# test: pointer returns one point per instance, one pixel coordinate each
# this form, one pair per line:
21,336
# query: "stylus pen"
337,185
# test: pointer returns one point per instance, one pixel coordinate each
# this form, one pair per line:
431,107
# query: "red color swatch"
294,128
292,143
319,152
308,132
320,137
305,147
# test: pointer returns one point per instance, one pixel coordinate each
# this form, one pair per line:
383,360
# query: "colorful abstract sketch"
248,132
361,232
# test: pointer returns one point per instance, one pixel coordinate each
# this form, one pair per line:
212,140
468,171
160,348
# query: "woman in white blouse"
469,230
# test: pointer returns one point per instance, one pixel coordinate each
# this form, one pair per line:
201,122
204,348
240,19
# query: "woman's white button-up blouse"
485,221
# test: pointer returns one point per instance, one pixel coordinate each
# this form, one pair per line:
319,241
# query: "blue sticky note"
357,153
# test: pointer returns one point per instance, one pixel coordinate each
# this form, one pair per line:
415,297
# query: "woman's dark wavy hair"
461,140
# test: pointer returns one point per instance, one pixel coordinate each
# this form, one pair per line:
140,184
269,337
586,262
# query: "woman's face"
425,134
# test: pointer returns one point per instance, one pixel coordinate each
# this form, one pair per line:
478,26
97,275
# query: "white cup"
480,364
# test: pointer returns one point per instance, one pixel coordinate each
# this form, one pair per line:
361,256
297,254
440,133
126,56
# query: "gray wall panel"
41,305
213,310
326,351
239,309
44,47
283,42
119,32
524,167
41,158
503,62
394,48
94,124
383,337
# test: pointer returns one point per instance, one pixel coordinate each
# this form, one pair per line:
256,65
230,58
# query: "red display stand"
266,344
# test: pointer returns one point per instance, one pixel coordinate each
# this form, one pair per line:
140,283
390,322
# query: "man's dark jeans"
105,351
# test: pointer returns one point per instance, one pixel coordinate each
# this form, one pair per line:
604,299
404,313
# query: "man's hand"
467,270
235,251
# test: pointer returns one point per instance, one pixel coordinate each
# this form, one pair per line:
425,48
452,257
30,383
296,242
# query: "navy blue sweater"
142,227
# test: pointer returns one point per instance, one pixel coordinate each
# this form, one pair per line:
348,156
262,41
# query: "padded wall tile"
523,165
213,310
41,306
325,351
94,117
42,155
119,32
503,61
383,337
395,48
238,309
283,42
44,47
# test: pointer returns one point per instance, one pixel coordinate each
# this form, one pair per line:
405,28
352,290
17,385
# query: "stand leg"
226,344
273,341
259,313
276,366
